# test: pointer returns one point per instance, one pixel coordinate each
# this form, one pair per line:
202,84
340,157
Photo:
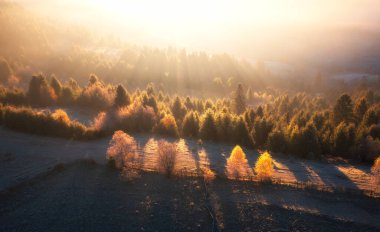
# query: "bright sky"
213,24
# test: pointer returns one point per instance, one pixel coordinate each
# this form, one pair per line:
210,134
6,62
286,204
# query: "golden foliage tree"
123,151
264,166
167,126
61,116
237,164
376,170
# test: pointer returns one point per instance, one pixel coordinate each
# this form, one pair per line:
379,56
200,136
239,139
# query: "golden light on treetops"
264,166
237,164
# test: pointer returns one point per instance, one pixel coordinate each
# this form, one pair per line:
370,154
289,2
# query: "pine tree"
343,111
242,135
224,126
207,130
178,109
122,97
39,92
56,85
190,125
370,117
261,129
277,141
343,139
360,108
239,100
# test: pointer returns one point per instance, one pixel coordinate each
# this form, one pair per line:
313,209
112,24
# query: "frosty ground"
63,185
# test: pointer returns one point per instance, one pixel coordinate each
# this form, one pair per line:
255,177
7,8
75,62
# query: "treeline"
55,123
301,124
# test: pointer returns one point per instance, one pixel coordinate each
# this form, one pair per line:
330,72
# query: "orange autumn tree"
61,116
376,170
124,153
264,166
237,164
167,126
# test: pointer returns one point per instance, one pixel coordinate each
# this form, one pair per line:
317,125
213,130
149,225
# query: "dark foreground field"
87,196
51,184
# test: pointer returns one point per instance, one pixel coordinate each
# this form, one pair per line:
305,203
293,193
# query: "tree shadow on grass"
333,177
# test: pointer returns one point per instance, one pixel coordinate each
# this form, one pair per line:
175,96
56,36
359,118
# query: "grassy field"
67,185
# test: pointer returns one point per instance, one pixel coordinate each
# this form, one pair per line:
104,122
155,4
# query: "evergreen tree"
122,97
224,124
260,111
67,97
370,117
261,129
343,139
342,111
308,141
178,109
277,141
39,92
150,100
207,130
167,126
239,100
374,131
360,109
56,85
190,125
242,135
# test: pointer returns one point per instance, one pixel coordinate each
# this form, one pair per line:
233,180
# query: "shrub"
237,164
264,166
166,160
123,152
167,126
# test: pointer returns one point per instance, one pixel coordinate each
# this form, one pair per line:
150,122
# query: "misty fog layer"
323,34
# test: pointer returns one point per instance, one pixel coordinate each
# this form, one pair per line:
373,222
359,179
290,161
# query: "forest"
302,124
172,92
